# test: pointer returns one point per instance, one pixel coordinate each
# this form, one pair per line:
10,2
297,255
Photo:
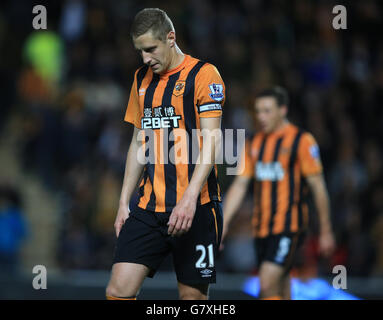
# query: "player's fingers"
117,229
184,227
177,228
189,224
172,223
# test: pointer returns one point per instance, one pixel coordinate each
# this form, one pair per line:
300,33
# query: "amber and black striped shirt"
171,105
279,162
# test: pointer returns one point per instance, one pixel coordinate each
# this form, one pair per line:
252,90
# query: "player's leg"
140,249
193,292
271,280
269,273
195,252
286,287
297,241
126,280
278,254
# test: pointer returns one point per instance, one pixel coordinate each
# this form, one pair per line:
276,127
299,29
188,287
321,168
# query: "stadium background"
63,143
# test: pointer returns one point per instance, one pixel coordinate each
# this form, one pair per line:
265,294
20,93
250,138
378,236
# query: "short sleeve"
210,92
246,164
309,156
133,113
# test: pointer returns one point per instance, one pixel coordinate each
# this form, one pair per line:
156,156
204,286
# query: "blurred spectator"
73,20
44,51
75,129
376,234
13,228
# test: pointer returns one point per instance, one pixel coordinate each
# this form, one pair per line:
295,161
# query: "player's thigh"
141,241
278,252
126,279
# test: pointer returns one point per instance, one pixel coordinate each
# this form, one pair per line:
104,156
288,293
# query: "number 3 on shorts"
200,262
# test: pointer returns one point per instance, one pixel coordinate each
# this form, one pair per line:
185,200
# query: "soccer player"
178,211
283,160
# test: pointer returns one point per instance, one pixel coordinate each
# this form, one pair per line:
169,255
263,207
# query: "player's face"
155,53
269,115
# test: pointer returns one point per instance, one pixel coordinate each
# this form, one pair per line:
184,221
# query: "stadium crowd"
69,86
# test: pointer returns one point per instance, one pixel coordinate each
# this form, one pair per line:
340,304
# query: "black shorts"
144,239
280,249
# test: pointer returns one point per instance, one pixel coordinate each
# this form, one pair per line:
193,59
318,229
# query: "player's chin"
268,128
157,69
265,129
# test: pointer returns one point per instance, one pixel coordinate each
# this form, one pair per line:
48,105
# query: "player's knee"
193,293
112,291
269,286
115,290
192,296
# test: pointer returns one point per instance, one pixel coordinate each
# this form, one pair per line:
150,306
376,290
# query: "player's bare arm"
133,171
233,200
321,199
181,218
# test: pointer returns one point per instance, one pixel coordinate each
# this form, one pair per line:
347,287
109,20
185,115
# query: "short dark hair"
278,93
152,19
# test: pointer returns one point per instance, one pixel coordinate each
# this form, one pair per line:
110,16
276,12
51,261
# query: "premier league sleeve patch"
314,151
216,92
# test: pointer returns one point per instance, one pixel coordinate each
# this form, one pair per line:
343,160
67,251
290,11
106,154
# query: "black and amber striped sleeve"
309,156
133,112
210,92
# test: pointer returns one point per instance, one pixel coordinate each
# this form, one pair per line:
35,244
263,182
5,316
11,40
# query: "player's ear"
171,38
284,110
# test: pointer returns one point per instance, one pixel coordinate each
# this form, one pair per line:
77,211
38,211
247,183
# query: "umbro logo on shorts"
206,273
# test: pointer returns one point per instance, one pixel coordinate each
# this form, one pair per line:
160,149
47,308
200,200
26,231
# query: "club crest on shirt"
216,91
179,88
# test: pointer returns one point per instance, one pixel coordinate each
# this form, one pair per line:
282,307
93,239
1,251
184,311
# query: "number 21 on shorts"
201,261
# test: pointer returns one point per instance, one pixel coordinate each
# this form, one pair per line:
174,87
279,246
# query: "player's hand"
326,243
181,218
122,215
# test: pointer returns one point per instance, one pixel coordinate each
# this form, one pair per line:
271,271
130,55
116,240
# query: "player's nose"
260,118
146,58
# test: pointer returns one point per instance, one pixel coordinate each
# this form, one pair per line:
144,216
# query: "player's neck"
177,58
281,125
